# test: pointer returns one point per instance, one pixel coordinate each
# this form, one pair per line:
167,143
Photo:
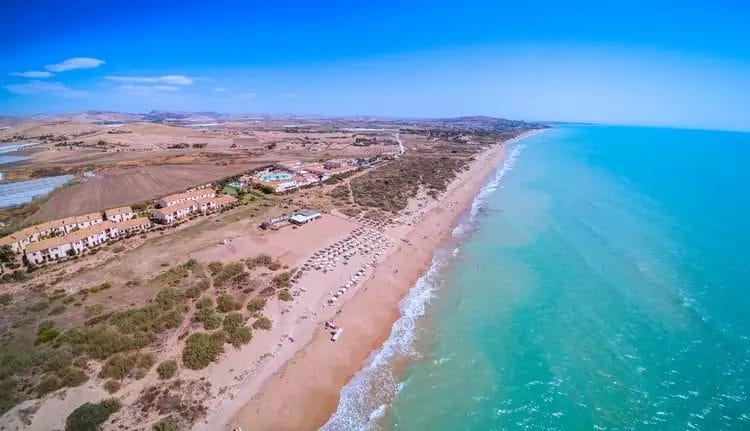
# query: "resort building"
133,225
76,242
117,215
179,211
88,220
179,198
304,216
172,213
17,241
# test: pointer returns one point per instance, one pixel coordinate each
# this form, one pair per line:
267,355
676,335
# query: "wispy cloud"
74,64
289,95
165,79
44,87
220,90
147,88
248,95
33,74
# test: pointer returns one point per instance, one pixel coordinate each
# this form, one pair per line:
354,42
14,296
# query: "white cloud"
75,63
148,88
220,90
44,87
33,74
289,95
166,79
249,95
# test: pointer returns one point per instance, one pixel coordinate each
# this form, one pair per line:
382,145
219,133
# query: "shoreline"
295,398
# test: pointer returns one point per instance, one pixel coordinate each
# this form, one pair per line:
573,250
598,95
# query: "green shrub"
208,317
238,335
49,383
285,295
201,349
214,268
256,304
72,376
118,366
5,298
138,373
112,386
226,303
205,302
168,298
202,284
40,306
233,320
53,359
47,335
57,309
193,292
89,417
146,360
262,323
282,280
167,369
228,272
170,423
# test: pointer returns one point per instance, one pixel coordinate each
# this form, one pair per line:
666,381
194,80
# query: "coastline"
295,397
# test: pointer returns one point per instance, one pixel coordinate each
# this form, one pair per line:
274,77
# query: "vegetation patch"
262,323
201,349
256,304
167,369
89,416
285,295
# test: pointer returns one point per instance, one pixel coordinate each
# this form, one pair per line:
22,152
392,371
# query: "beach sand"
303,391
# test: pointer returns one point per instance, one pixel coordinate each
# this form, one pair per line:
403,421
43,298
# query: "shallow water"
600,284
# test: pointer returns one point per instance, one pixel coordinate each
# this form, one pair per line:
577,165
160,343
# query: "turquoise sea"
600,281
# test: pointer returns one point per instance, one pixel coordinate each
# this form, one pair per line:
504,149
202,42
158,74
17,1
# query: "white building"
117,215
172,213
140,224
304,216
76,242
168,201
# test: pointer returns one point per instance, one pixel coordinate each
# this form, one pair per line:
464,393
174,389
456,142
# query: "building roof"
224,199
187,195
133,222
306,212
88,217
10,239
69,238
176,207
115,211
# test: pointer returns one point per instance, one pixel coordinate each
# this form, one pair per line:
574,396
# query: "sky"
663,63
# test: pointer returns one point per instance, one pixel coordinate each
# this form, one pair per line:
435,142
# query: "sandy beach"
299,389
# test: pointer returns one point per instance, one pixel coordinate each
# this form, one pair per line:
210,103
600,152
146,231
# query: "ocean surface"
601,281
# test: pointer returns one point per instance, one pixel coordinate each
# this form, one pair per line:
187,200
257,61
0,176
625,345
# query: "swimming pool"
273,176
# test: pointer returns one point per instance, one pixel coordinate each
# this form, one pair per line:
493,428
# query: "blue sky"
673,63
